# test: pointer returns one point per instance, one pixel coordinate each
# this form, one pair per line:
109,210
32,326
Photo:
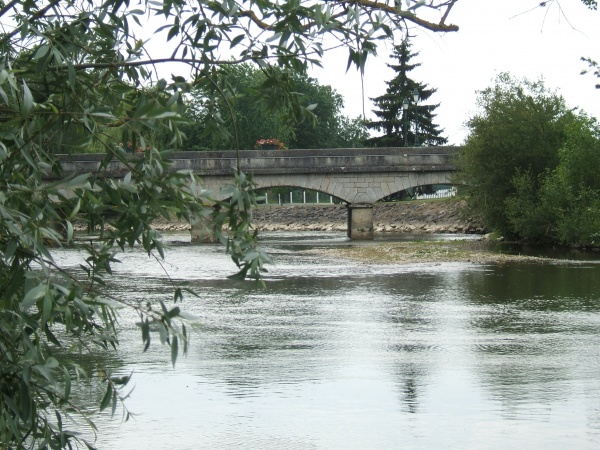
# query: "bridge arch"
294,194
435,190
350,188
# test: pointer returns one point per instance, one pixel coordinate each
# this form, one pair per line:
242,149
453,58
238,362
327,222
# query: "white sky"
545,42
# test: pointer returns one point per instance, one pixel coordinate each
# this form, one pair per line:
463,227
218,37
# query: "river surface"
334,354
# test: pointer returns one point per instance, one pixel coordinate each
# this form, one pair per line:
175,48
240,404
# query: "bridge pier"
360,221
202,230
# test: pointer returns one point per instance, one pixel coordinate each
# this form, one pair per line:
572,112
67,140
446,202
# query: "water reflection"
538,336
333,354
550,286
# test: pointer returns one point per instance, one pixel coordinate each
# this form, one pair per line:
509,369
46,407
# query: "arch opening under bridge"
358,177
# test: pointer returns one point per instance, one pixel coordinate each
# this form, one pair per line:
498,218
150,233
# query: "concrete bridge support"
360,221
203,231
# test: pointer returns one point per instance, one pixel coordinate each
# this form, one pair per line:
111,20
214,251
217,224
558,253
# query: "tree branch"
392,10
252,16
41,13
449,7
409,16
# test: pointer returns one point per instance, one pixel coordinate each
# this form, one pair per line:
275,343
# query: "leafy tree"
352,133
519,130
241,112
329,128
566,208
79,73
244,114
397,124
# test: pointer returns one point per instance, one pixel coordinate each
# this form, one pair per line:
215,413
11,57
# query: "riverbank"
443,216
426,216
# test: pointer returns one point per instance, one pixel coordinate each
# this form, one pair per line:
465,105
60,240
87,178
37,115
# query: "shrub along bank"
531,166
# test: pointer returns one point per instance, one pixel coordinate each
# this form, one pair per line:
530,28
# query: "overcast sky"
495,36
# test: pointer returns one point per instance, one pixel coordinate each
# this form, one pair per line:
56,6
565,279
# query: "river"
335,354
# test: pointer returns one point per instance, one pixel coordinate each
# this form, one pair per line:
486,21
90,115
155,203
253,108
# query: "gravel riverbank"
438,216
427,216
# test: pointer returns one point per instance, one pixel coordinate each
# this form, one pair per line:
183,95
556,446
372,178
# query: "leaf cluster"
593,66
566,207
591,4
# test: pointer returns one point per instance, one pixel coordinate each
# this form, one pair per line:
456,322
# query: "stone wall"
439,216
412,216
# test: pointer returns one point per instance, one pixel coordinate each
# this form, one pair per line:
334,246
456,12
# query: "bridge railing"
442,193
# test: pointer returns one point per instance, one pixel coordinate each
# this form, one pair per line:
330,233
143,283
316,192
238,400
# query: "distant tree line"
243,108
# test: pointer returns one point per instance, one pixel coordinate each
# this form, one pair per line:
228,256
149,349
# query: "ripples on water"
335,354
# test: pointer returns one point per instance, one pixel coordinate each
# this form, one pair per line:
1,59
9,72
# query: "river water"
333,354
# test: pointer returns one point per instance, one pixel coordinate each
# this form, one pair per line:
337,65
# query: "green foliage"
580,156
519,129
245,104
592,65
229,110
531,166
592,4
77,76
240,239
352,133
415,125
329,129
572,190
530,218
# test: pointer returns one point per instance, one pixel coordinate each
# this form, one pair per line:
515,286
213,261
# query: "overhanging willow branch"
392,10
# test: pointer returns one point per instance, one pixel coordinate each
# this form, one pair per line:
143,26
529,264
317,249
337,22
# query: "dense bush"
566,208
531,165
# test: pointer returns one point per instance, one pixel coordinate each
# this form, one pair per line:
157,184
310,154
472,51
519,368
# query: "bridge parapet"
280,162
269,162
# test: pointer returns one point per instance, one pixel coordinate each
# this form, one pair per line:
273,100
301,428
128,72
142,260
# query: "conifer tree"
420,129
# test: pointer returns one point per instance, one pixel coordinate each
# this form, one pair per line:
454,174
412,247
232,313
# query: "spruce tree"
390,113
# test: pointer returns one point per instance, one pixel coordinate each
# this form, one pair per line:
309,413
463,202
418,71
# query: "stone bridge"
359,177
